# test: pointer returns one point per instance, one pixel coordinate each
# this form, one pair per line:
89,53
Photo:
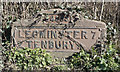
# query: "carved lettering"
61,34
83,35
65,44
29,44
48,34
93,34
34,34
19,34
53,34
76,35
52,39
44,44
71,44
51,44
68,33
36,44
19,44
58,45
42,34
27,33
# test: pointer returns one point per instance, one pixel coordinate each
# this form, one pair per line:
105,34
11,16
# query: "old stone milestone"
54,31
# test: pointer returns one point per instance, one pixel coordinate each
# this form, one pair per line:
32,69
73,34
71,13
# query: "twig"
102,10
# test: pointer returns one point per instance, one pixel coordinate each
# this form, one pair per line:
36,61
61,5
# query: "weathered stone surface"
57,36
